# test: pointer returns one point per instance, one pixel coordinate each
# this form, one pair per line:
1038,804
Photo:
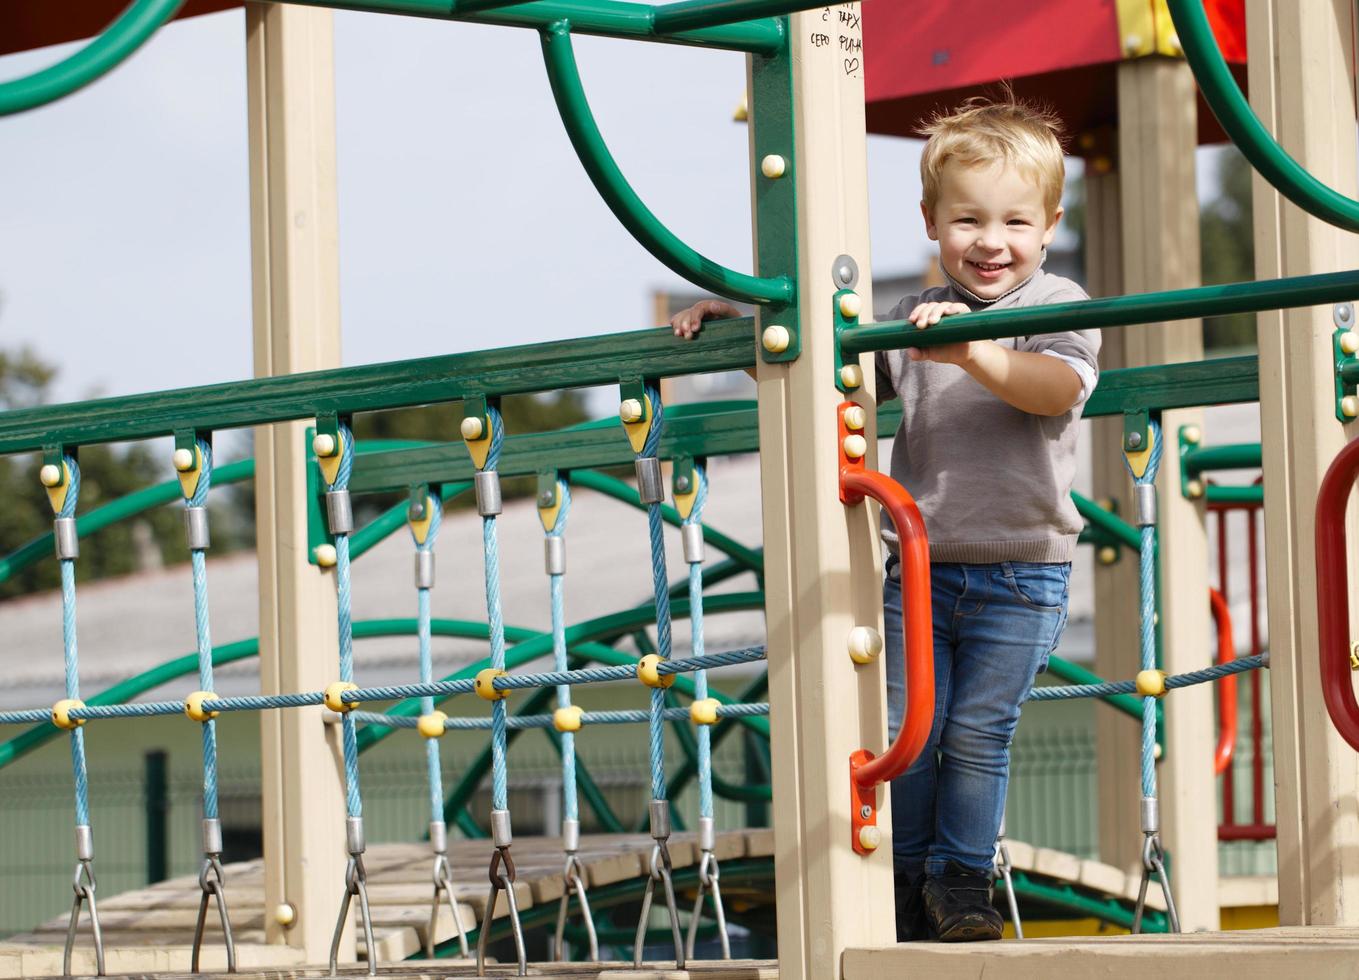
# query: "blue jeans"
994,627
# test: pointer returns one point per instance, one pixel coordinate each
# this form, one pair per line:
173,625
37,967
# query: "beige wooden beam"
1159,205
1302,88
295,273
822,574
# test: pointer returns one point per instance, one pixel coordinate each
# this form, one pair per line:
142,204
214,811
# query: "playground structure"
815,432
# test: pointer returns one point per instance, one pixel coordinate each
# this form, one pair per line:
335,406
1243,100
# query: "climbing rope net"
483,432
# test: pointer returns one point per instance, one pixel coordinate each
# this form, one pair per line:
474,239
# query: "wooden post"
1302,88
1160,245
295,271
822,574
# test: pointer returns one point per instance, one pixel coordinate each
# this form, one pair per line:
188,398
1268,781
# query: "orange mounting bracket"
866,770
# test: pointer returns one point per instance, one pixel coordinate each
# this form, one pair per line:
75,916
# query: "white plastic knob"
323,444
775,339
1192,434
855,446
1194,488
869,837
773,166
325,555
183,460
851,376
865,643
1349,342
630,410
1349,406
471,428
284,914
50,475
855,418
851,305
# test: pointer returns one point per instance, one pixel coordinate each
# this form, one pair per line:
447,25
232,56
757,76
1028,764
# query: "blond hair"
1009,132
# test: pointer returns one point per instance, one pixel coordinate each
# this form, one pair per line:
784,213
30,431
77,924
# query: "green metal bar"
607,18
1223,381
582,362
757,689
1224,97
1064,896
125,35
1110,524
1072,673
689,746
1254,494
627,207
1118,311
688,15
1237,456
1349,372
156,799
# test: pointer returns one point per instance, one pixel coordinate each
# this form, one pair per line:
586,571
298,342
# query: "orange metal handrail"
1226,687
1333,615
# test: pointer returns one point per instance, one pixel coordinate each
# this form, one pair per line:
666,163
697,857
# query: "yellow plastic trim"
548,515
567,719
648,672
420,528
333,694
61,714
1167,39
684,502
57,494
704,712
485,685
1138,461
330,465
432,724
637,430
188,479
193,706
1136,28
1151,683
480,449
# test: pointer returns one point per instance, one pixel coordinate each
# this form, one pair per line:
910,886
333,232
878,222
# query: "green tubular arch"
1224,97
627,207
120,39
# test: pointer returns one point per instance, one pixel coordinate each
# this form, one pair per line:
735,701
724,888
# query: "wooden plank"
1302,87
295,276
1157,127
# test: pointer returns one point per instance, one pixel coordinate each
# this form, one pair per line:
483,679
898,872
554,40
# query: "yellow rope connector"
648,672
1151,683
432,724
333,695
704,712
485,685
61,714
193,706
567,719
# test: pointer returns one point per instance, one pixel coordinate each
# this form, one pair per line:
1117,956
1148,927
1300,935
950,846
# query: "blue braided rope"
705,745
570,795
661,588
199,498
72,650
634,717
491,549
1147,592
730,658
26,716
1188,679
353,796
433,769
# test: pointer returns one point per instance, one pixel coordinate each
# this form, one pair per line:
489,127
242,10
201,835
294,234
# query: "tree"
1227,243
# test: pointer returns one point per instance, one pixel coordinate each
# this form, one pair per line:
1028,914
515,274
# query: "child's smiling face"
991,226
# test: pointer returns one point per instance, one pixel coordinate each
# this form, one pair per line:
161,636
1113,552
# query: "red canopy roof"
26,24
923,57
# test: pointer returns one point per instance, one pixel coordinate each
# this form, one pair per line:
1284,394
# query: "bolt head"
845,273
1134,440
775,339
545,498
323,444
472,428
1349,406
773,166
682,484
865,812
1344,313
50,475
630,410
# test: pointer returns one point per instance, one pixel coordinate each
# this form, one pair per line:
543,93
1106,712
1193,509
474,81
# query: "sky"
124,209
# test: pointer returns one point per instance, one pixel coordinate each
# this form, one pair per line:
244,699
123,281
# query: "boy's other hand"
687,323
928,314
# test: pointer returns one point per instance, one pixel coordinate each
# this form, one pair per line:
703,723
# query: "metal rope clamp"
502,876
1004,868
709,875
574,875
83,882
1153,863
212,883
355,883
443,888
659,870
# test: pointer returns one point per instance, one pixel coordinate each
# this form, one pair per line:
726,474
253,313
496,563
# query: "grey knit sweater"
993,483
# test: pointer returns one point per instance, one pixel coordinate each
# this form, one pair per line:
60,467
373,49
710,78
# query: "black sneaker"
958,906
912,923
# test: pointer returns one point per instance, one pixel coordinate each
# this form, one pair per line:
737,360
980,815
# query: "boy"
987,446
